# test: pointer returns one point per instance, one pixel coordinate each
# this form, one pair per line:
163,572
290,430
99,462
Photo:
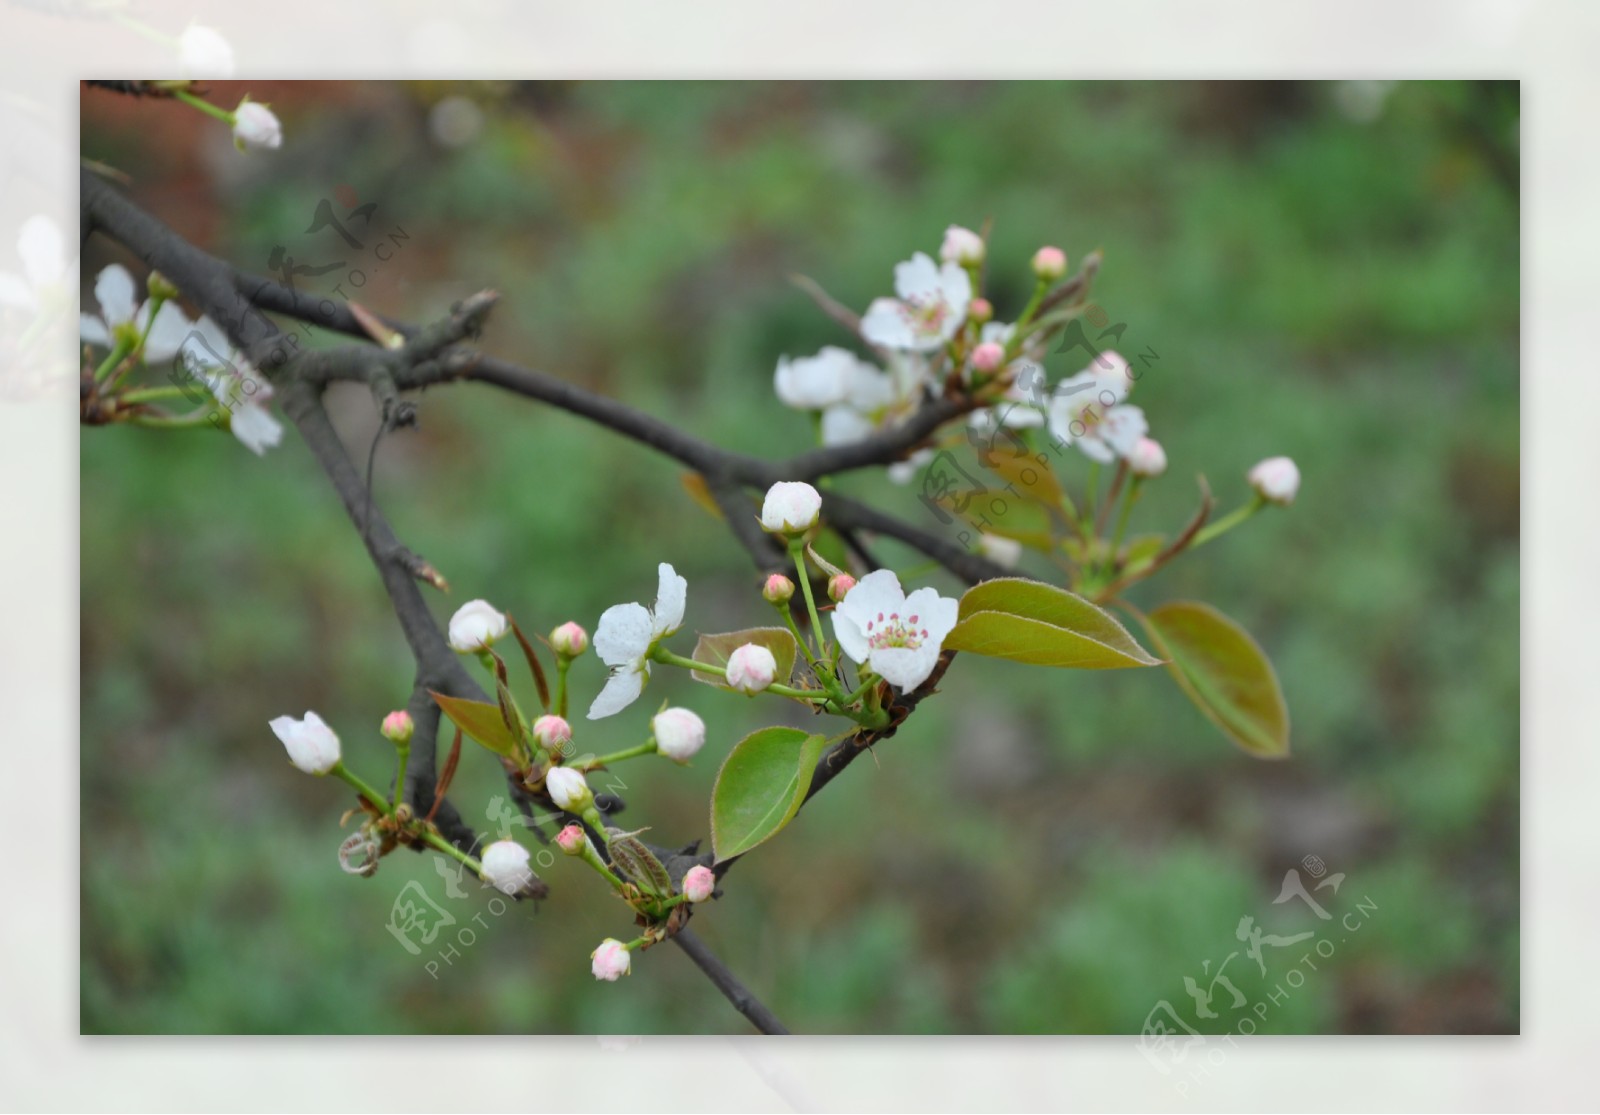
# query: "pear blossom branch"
717,972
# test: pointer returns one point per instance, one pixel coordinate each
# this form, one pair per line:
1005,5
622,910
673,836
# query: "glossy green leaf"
760,787
1225,673
718,649
479,720
1040,624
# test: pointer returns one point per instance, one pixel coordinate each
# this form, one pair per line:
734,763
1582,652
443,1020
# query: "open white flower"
240,390
1086,410
898,636
311,744
627,634
931,307
817,382
877,398
121,313
43,252
475,626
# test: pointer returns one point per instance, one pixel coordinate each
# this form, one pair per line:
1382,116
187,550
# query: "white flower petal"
918,277
43,251
621,690
672,592
842,425
166,335
255,428
877,593
885,324
936,614
1122,428
906,667
851,637
623,634
15,292
91,330
117,295
955,287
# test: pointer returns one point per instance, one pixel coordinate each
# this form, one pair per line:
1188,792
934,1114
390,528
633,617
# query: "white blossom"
476,626
203,52
1148,459
1086,410
121,313
505,867
930,309
241,391
791,507
898,636
628,633
311,744
961,245
568,789
255,126
611,960
1276,480
817,382
679,733
751,668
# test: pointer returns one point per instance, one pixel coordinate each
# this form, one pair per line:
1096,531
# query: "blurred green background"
1326,270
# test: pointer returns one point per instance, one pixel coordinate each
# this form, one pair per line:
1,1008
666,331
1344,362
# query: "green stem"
586,765
439,843
1128,501
204,106
196,418
1087,525
1019,330
563,664
361,787
798,551
120,351
154,394
666,657
1227,522
403,754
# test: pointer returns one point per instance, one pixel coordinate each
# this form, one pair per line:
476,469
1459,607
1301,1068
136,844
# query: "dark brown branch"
737,994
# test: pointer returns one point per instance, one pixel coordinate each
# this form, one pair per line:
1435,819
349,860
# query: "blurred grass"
1051,851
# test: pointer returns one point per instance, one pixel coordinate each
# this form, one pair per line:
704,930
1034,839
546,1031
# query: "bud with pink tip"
1147,458
312,745
1000,549
1049,264
255,126
961,245
610,961
572,840
679,733
838,585
988,356
790,508
980,310
397,727
1276,480
475,626
552,733
699,883
751,668
505,867
569,640
778,589
568,789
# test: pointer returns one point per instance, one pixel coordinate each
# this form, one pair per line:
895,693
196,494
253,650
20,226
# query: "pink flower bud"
790,508
569,640
961,245
505,866
572,840
552,733
1276,480
751,668
778,589
988,356
611,960
980,310
838,585
699,883
568,789
679,733
397,727
1049,264
1147,458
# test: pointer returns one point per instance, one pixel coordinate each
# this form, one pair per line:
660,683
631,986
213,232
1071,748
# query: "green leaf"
1030,621
480,720
718,648
1225,673
638,863
760,787
1027,475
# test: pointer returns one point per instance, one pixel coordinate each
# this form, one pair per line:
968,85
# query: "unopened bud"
699,883
397,727
552,733
679,733
311,744
1049,264
505,867
838,585
161,287
1147,458
980,310
572,840
751,668
961,245
569,640
611,960
988,356
568,789
791,507
475,626
1276,480
778,589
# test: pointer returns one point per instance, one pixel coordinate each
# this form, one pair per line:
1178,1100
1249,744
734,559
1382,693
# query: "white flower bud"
203,52
505,867
568,789
790,508
679,733
961,245
611,960
751,668
254,125
1000,549
312,745
1276,480
475,625
698,883
1147,458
